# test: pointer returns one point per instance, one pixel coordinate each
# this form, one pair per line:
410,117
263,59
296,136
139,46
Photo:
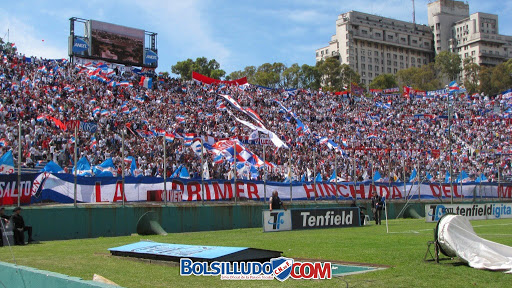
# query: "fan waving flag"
169,137
453,86
7,163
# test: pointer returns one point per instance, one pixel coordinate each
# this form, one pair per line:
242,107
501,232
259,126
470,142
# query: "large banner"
477,211
41,187
208,80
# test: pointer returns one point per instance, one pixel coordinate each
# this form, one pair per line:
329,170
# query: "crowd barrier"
60,188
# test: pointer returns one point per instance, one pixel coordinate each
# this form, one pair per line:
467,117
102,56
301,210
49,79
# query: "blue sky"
235,33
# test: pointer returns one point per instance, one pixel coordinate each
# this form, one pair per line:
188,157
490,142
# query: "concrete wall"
67,222
20,276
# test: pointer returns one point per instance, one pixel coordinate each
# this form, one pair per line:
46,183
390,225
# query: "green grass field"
402,250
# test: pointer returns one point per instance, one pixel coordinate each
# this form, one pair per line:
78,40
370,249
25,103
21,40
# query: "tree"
384,81
471,71
269,75
484,78
449,64
330,69
184,69
291,76
348,76
248,72
202,65
501,78
309,77
419,78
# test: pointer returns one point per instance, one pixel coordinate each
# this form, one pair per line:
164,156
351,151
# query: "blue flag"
376,176
462,176
447,177
176,172
318,177
105,169
7,163
83,168
333,177
413,175
52,167
133,165
481,178
429,177
184,173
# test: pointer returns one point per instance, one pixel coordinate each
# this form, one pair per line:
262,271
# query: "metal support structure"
450,148
499,179
75,159
290,172
202,173
264,175
165,171
314,171
122,153
354,173
19,163
336,176
234,177
403,172
419,178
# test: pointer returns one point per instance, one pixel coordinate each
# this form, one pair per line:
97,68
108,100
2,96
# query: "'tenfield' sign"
313,218
325,218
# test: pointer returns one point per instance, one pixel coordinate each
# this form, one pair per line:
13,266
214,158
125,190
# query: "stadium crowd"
391,134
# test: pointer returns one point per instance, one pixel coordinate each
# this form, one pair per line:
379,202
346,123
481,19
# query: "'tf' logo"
436,212
277,220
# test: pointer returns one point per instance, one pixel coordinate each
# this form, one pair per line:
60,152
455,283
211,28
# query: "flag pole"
499,178
336,177
19,163
386,199
165,171
403,172
75,174
290,171
202,173
234,169
264,175
314,171
419,178
450,148
354,173
122,153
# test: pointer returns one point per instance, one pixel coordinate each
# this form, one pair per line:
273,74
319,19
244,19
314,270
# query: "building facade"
373,45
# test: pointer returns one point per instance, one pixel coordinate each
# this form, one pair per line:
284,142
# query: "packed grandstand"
314,132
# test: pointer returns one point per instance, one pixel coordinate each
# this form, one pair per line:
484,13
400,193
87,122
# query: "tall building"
373,45
474,36
442,15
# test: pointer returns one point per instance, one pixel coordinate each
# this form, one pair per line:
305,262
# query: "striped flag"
93,143
189,137
453,86
169,137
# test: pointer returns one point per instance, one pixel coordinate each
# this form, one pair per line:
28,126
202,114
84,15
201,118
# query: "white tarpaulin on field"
457,238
